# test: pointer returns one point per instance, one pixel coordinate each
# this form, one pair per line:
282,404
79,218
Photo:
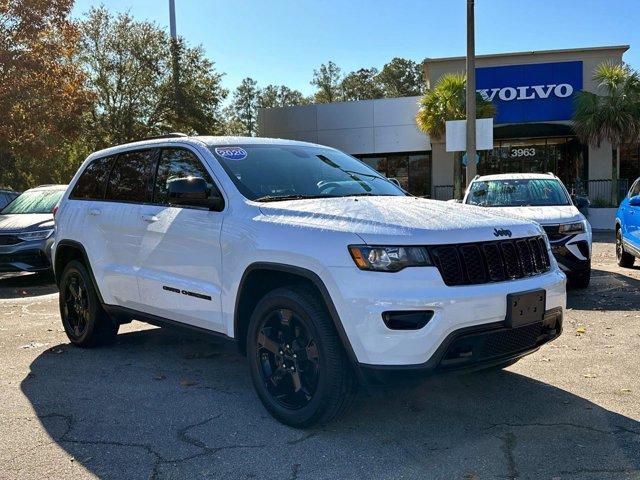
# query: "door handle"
95,211
149,218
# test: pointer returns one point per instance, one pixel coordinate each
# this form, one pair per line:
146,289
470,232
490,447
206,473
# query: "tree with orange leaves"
42,90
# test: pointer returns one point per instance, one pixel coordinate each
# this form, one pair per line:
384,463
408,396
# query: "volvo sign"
536,92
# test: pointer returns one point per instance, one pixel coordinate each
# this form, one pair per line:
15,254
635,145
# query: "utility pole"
175,65
471,93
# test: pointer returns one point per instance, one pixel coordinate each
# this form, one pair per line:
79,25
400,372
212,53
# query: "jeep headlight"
576,227
389,259
35,235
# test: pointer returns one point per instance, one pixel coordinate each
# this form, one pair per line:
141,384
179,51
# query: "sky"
283,41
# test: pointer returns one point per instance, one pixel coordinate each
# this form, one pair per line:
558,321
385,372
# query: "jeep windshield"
34,201
536,192
290,172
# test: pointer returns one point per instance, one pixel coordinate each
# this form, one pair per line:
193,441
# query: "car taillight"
54,211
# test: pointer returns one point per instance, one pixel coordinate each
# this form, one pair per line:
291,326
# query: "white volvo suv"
324,272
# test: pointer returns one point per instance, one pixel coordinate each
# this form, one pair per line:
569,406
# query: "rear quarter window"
92,183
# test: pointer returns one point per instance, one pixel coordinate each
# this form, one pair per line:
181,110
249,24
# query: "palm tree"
447,101
612,117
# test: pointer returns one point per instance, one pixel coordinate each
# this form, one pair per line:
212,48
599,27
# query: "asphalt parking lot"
162,405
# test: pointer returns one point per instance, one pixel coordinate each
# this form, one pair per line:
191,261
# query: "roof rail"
168,135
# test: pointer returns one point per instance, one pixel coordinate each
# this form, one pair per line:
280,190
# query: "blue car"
628,227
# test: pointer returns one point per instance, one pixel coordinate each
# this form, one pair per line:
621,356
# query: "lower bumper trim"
473,348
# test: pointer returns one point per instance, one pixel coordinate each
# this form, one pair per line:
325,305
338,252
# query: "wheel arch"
261,277
68,250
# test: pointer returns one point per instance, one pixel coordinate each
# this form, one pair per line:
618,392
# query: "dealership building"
533,94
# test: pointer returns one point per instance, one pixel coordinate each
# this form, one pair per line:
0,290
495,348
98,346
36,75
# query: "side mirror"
194,192
581,202
635,201
396,182
454,200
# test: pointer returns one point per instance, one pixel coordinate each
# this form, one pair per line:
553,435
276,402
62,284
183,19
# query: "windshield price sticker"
231,153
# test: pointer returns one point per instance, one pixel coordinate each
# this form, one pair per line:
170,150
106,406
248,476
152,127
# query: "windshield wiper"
277,198
353,172
366,194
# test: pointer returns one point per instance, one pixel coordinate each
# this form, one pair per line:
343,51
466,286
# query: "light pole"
175,65
471,93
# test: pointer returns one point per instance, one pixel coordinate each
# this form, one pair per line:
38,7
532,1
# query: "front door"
179,263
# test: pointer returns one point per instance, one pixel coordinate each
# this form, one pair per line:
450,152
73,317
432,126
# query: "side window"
635,189
177,163
93,181
131,176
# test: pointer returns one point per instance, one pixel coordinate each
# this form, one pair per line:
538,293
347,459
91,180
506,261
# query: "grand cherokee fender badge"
501,232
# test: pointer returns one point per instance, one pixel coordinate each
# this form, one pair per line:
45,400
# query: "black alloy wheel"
76,305
297,362
84,320
288,358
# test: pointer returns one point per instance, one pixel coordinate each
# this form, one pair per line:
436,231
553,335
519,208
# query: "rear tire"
298,365
625,259
85,321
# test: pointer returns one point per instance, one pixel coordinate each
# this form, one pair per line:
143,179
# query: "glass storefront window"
412,170
562,156
630,163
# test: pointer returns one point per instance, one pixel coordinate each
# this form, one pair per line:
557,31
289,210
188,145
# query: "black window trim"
150,189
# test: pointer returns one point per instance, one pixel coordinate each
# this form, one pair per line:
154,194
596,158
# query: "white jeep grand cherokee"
324,272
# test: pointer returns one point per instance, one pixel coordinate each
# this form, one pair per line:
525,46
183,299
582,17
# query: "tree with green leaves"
131,75
327,80
244,106
402,78
273,96
43,93
362,84
613,115
447,101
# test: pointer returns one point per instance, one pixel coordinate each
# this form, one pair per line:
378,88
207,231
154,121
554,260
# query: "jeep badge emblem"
502,232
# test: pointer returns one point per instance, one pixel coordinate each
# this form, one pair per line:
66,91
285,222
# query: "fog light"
408,320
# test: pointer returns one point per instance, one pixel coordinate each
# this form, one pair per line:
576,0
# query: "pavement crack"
295,468
304,438
509,442
563,424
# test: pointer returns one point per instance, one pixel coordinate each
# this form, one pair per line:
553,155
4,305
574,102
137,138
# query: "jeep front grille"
484,262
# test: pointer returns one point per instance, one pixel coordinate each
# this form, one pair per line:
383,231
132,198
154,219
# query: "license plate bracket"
524,308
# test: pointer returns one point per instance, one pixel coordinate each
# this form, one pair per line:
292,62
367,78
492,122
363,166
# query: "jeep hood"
544,215
405,220
18,222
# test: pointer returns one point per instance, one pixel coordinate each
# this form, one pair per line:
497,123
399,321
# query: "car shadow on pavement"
159,404
26,285
607,291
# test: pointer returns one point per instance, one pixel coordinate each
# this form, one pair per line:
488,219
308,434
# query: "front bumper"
31,256
474,348
362,297
572,253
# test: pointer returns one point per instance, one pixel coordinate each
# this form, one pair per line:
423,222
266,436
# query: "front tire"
85,321
581,279
298,365
625,259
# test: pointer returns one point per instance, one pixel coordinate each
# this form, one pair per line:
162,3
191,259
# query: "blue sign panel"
537,92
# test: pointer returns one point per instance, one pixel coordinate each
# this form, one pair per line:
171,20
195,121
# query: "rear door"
113,227
180,259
